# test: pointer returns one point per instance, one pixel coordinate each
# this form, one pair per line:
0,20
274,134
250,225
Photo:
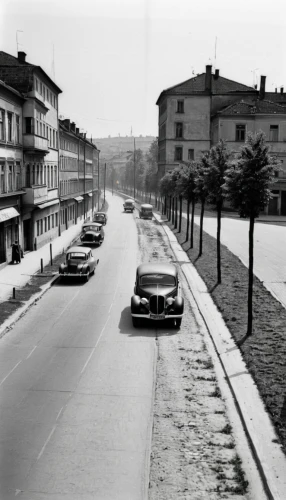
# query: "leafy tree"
248,187
168,188
202,192
219,162
151,174
186,187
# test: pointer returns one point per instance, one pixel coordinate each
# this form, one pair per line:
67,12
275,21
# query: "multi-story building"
196,114
79,161
40,211
11,169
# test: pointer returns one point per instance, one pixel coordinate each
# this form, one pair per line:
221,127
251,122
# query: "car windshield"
91,228
76,256
98,216
157,279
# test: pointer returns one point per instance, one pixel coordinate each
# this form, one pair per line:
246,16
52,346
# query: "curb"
260,432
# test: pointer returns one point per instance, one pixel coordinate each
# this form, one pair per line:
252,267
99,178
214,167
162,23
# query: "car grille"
88,237
157,304
72,268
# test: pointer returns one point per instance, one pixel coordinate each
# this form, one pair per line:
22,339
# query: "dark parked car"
156,294
79,263
92,233
100,217
146,211
129,205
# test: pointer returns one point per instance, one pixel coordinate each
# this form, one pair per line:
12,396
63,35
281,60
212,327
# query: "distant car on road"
79,263
92,233
100,217
156,294
146,211
129,205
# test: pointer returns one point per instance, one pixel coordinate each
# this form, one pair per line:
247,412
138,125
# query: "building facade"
11,170
196,114
40,202
78,175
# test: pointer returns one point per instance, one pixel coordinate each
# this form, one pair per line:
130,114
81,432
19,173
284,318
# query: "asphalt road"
76,384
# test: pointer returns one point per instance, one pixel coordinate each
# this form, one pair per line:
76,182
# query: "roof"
157,267
79,249
94,224
14,91
19,74
196,85
255,106
130,200
146,205
279,97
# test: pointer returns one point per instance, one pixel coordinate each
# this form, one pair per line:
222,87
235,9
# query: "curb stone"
269,457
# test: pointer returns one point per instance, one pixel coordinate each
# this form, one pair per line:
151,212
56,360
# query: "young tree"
248,187
186,187
151,177
219,162
202,192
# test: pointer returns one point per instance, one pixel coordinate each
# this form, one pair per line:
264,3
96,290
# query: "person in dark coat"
16,253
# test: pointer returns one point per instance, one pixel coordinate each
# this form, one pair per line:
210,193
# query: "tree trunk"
165,205
201,227
250,276
192,223
188,220
176,212
173,210
218,263
170,209
181,208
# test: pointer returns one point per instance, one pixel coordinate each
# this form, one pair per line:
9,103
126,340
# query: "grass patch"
216,393
227,429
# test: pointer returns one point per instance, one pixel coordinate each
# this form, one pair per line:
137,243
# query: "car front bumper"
157,317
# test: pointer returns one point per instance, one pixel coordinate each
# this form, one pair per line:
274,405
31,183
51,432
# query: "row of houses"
194,115
48,168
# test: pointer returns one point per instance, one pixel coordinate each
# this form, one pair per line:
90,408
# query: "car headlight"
170,301
144,301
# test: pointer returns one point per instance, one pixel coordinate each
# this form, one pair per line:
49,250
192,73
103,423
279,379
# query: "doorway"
27,234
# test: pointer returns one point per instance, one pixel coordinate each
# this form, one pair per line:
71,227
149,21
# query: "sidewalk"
18,275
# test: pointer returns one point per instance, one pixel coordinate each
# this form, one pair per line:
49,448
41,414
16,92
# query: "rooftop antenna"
215,52
254,76
17,41
53,64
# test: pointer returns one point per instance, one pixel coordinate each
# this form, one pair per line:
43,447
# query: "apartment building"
79,160
196,114
40,201
11,170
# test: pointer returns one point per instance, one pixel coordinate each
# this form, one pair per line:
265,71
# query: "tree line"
244,179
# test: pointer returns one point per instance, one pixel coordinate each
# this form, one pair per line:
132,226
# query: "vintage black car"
129,205
156,294
92,233
146,211
100,217
79,263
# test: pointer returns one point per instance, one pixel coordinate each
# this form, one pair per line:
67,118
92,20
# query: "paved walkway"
18,275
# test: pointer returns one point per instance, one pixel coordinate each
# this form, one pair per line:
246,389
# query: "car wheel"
86,278
136,322
178,322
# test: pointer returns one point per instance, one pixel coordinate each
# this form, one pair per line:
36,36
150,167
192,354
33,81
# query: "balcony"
35,195
35,144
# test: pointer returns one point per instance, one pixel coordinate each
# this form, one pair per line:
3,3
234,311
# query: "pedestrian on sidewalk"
16,253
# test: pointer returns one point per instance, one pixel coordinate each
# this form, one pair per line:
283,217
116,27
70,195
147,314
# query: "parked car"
156,294
100,217
146,211
92,233
129,205
79,263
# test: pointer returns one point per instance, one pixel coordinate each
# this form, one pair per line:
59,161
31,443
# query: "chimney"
216,74
67,123
281,90
208,78
262,87
22,56
77,131
73,127
276,90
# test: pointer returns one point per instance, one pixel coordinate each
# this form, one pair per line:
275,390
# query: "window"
18,176
41,226
191,154
179,130
46,225
37,127
56,221
10,178
29,125
17,129
2,180
54,139
240,133
9,136
178,153
53,220
180,106
2,125
38,228
49,222
273,134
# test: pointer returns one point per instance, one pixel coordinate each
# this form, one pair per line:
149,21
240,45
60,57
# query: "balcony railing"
35,143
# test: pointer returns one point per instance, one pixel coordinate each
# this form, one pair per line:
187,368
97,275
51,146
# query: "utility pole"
134,167
98,192
104,181
84,185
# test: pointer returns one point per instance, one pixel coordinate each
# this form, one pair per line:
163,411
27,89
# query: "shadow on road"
148,328
63,282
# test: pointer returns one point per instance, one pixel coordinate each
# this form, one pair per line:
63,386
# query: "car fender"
179,305
62,268
135,303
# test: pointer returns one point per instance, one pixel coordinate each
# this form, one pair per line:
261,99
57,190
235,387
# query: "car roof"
95,224
130,199
157,267
79,249
146,205
100,213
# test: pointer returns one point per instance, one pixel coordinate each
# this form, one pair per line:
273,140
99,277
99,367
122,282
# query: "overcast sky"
112,58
